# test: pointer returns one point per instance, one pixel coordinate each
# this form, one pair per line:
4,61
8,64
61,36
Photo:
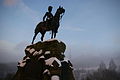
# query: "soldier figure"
48,16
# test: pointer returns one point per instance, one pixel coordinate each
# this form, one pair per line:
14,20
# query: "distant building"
102,66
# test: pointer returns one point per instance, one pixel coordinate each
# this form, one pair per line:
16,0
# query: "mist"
80,55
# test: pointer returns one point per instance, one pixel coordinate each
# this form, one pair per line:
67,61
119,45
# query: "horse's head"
61,10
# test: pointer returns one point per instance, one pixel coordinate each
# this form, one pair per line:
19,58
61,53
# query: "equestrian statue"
50,24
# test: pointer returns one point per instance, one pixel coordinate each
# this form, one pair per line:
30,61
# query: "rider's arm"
44,16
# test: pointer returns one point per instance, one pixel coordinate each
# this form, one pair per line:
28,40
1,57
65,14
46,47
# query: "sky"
90,28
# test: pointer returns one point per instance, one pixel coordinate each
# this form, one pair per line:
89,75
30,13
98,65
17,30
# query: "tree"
112,65
119,68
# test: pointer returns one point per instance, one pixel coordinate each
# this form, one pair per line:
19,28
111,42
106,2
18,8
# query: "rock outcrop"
45,61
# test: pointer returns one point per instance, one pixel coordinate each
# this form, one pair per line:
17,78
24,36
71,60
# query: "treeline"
104,73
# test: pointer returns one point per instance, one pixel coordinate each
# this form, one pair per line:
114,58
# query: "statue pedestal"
43,61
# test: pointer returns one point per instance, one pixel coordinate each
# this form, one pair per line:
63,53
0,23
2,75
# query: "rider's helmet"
50,8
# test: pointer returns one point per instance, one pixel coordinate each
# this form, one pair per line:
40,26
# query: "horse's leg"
52,34
34,37
56,30
43,33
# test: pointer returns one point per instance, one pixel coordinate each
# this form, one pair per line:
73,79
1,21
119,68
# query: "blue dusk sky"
88,27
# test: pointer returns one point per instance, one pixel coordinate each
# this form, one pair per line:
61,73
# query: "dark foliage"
104,75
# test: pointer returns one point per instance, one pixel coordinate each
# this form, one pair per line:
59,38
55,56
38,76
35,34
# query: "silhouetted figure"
42,27
48,16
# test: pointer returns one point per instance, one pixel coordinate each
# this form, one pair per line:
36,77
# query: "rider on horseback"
48,15
52,25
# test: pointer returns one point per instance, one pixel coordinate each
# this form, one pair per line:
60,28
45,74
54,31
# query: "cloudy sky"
90,28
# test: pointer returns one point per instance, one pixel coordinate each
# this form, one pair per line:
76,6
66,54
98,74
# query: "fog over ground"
80,56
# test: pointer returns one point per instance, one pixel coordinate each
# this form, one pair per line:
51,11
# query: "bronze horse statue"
42,27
